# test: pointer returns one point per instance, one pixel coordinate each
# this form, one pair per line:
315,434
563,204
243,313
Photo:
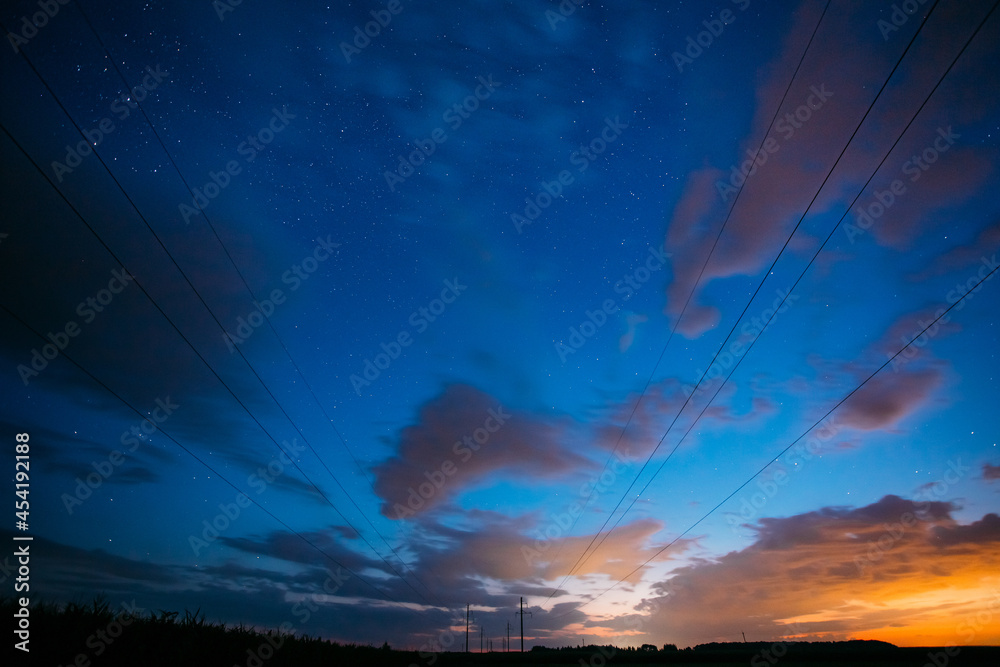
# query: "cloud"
649,419
494,559
76,456
965,258
991,472
907,326
778,193
873,572
647,415
286,546
888,398
460,437
299,595
518,550
984,531
632,321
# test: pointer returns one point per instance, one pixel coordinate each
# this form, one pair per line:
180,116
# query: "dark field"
88,635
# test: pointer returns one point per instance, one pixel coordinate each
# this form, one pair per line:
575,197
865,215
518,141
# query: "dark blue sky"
432,297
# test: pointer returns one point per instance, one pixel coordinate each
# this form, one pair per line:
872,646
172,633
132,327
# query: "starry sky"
676,319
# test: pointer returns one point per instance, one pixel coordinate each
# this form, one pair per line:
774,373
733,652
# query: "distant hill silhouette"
850,644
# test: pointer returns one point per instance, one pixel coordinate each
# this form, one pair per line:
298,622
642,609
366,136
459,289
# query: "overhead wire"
210,312
673,329
889,361
798,279
267,318
941,79
159,427
764,278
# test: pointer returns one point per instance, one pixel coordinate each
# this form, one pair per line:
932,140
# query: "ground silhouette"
95,635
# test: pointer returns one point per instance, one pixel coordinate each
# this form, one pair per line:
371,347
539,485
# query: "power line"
197,458
913,117
792,444
802,274
764,279
191,345
673,329
215,318
329,419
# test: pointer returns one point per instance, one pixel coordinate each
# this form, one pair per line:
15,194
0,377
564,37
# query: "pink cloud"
908,325
778,193
951,180
460,437
500,550
889,398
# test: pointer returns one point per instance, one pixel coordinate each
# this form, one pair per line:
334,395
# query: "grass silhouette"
95,634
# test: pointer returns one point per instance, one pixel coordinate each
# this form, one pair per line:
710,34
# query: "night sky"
347,316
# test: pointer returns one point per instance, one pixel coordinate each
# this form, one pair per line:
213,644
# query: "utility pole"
482,632
466,628
744,636
522,613
508,636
